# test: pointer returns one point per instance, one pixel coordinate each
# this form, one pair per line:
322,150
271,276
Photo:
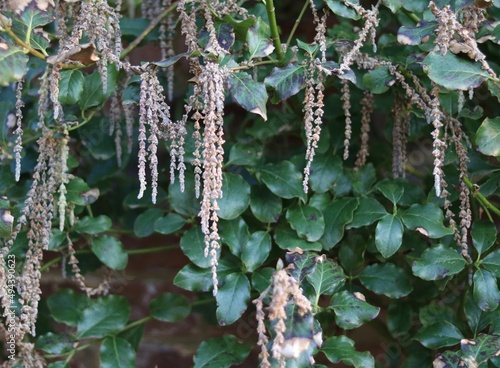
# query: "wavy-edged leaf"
283,179
248,93
488,137
13,64
307,221
110,251
232,298
386,279
220,352
117,352
105,316
388,235
352,310
437,263
286,81
420,33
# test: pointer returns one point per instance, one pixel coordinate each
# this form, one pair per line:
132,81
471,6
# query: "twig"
20,42
275,36
481,198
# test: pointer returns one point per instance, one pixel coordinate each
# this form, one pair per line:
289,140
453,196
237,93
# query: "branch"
481,198
275,36
20,42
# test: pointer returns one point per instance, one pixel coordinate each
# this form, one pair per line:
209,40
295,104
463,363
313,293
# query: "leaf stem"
411,15
20,42
297,22
487,205
148,30
274,31
137,323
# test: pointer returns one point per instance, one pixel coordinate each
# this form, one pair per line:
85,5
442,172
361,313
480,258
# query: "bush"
331,165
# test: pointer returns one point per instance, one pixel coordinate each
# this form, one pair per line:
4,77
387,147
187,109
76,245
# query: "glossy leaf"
476,318
452,72
184,203
93,225
193,246
234,234
265,206
484,235
427,218
324,172
54,344
399,318
144,223
283,179
169,307
235,196
492,262
194,278
389,235
286,81
488,137
368,211
486,293
339,8
341,349
351,310
248,93
93,94
71,86
438,335
307,221
110,251
337,215
13,63
117,352
169,224
480,349
288,239
327,277
258,39
437,263
246,154
394,5
66,306
415,35
105,316
256,250
79,193
220,352
386,279
378,80
391,189
232,298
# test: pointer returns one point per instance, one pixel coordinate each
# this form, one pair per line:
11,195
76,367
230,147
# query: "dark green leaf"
145,222
484,235
438,335
287,238
169,307
488,137
399,318
79,193
438,262
258,39
337,215
184,203
117,352
324,172
256,250
283,179
368,211
481,349
303,264
448,359
427,218
341,349
363,180
240,26
307,221
169,224
452,72
133,335
339,8
70,86
245,154
6,223
393,190
308,47
170,61
486,293
54,344
248,93
417,34
235,196
105,316
66,306
93,94
389,235
93,225
220,352
232,298
351,310
265,206
110,251
234,234
492,262
261,278
394,5
194,278
193,246
378,80
13,64
476,318
286,81
386,279
327,276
